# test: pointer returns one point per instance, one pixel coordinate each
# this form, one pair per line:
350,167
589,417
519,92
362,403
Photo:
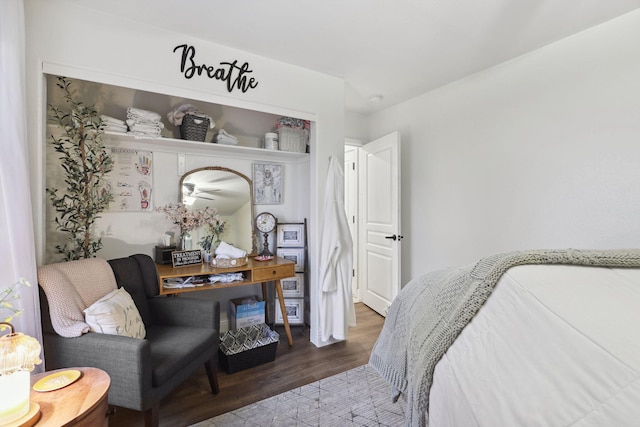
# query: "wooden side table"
82,403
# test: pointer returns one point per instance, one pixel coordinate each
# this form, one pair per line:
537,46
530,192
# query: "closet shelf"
197,147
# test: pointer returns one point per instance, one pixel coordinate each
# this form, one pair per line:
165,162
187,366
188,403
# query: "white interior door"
379,233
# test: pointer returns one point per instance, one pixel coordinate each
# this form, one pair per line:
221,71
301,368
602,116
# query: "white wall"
78,42
539,152
356,126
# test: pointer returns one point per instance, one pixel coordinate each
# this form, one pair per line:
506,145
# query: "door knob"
391,237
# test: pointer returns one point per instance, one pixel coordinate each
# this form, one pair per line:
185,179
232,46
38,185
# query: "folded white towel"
133,113
224,134
226,141
112,120
223,137
141,126
225,249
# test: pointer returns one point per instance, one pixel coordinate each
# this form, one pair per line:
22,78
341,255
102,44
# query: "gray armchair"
182,334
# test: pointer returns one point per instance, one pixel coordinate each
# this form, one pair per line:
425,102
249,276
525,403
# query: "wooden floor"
295,366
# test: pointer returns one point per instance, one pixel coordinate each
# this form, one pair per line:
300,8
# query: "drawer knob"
274,272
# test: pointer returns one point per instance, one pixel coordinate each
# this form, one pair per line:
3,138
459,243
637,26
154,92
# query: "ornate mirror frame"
186,189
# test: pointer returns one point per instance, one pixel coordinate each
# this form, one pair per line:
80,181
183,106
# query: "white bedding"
552,346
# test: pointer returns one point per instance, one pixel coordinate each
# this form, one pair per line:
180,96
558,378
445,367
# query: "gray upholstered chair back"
138,275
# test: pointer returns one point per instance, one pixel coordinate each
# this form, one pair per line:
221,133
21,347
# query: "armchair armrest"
126,360
181,311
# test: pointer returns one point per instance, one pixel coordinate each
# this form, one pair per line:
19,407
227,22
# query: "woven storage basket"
194,128
293,139
247,347
229,262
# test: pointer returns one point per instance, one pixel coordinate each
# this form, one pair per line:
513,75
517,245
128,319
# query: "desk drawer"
273,272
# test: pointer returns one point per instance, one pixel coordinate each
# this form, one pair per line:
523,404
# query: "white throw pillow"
115,314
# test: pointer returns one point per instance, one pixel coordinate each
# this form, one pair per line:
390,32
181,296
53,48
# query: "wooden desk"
82,403
254,272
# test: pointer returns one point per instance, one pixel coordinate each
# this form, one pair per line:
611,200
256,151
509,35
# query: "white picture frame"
267,183
293,287
293,254
294,309
290,235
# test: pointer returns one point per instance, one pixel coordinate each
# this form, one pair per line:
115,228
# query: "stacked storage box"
291,242
247,311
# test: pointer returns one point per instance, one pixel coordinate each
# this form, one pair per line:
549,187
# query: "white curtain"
17,244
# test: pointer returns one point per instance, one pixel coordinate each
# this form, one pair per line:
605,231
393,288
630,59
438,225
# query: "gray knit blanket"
431,311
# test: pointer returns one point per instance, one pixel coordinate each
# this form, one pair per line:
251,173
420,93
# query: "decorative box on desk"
247,347
163,254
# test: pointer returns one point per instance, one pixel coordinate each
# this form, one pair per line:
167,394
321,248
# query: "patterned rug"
359,397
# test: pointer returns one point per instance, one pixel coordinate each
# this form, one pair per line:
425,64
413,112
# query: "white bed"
551,345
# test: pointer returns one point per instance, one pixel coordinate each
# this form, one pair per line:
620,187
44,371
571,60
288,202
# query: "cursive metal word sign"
234,75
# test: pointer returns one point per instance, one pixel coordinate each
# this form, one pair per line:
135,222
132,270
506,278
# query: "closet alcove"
125,233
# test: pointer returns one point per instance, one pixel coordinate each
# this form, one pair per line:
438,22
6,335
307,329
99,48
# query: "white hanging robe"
337,312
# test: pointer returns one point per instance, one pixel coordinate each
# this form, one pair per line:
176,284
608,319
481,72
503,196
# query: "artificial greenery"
85,163
8,296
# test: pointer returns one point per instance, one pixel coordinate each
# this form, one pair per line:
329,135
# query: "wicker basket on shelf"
229,262
295,140
194,128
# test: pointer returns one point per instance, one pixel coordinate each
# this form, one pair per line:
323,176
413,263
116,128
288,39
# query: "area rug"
358,397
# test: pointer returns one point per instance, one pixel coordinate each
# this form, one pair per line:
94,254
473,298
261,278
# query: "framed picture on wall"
290,235
267,184
131,180
295,311
293,254
293,287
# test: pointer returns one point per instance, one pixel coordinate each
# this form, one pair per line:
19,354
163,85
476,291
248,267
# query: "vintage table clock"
266,223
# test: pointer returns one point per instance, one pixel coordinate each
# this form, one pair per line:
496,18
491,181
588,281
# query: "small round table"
82,403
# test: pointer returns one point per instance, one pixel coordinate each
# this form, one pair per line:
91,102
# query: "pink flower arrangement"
191,219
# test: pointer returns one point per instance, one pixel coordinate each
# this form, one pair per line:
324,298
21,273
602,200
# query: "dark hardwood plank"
295,366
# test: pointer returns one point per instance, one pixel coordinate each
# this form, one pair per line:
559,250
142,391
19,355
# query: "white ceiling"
393,48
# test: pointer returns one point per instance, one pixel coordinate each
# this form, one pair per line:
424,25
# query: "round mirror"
230,193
